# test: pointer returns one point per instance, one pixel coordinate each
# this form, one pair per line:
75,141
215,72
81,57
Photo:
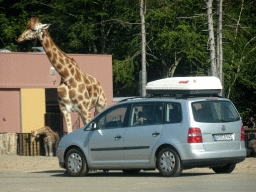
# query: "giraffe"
51,139
77,92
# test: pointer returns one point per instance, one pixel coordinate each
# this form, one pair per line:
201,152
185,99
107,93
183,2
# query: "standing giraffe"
77,92
51,141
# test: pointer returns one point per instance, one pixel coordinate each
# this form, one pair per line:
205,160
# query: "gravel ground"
42,163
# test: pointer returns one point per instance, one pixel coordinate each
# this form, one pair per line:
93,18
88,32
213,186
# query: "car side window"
173,113
113,118
146,114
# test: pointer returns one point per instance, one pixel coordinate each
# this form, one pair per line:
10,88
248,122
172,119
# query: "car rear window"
214,111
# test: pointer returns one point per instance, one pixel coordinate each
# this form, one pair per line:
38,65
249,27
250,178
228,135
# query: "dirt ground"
42,163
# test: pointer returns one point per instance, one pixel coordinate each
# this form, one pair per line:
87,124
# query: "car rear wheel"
168,163
224,169
75,163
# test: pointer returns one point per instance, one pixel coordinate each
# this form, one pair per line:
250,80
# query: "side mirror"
93,125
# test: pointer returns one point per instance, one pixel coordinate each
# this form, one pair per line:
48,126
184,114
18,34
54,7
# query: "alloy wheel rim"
167,161
74,162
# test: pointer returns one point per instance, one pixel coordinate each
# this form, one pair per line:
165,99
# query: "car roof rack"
184,87
183,96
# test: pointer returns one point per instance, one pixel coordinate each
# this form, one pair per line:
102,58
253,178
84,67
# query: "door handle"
118,137
155,134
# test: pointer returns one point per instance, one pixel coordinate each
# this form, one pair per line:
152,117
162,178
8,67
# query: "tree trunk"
143,46
103,38
211,37
94,47
172,70
219,45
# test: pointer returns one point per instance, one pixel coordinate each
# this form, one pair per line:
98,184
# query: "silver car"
165,133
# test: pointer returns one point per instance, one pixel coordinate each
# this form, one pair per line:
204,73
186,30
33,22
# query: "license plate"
226,137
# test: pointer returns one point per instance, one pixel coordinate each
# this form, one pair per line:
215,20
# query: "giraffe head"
33,30
33,135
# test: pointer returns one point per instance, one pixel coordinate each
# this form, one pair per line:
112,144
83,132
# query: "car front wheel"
168,163
75,163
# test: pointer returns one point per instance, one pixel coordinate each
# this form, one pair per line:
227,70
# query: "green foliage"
238,54
13,19
176,42
123,73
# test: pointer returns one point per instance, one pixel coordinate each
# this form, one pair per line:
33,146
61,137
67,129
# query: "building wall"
32,109
31,72
10,116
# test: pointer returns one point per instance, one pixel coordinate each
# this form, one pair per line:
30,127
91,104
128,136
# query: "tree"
211,39
13,18
219,53
143,47
175,40
239,61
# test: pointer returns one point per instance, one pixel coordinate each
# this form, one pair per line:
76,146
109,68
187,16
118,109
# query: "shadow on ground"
62,173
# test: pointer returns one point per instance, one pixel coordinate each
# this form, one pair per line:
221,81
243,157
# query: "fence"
27,148
21,144
250,135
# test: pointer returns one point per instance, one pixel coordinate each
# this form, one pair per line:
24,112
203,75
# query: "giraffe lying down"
51,140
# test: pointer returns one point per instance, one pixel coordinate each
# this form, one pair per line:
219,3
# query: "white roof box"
185,85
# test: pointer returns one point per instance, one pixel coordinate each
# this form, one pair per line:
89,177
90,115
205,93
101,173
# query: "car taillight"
194,135
242,133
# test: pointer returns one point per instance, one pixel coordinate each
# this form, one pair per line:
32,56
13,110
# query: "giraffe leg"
86,116
101,103
64,104
50,149
46,149
55,149
67,117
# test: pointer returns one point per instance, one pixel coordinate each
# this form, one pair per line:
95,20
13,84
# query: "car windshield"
214,111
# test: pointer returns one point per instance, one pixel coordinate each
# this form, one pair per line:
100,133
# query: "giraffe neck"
60,61
42,131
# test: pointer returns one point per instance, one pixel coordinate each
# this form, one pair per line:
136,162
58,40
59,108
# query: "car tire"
168,163
131,171
75,163
224,169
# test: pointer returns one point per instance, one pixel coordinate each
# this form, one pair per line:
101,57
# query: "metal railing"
27,148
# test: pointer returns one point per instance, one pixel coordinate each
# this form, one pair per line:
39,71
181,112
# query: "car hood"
77,137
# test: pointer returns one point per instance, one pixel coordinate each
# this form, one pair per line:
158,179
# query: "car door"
106,141
143,131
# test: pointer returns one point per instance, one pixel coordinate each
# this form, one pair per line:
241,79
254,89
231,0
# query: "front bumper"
62,164
60,155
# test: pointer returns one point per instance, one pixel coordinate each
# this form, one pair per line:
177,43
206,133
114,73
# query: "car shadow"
50,171
62,173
